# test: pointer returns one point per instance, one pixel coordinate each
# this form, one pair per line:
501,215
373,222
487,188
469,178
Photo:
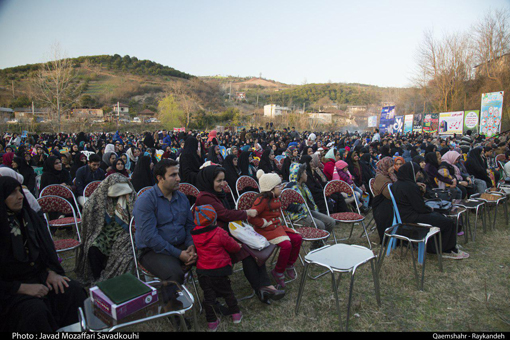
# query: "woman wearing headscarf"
107,160
432,160
53,173
214,155
267,162
412,209
189,161
382,207
7,159
32,201
36,296
106,249
20,166
247,168
477,168
132,158
143,176
313,185
118,167
232,172
79,160
291,156
448,169
359,171
210,183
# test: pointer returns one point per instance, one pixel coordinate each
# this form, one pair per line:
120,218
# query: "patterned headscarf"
289,153
383,167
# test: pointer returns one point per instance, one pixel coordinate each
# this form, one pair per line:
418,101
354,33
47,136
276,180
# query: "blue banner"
387,119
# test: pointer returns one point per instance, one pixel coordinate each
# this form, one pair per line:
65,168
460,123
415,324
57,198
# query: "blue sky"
365,41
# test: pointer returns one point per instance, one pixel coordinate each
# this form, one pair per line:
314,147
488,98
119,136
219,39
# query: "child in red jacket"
214,265
268,224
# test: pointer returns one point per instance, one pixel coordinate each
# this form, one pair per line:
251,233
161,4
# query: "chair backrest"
228,190
132,230
244,182
52,203
61,191
339,187
502,166
90,188
189,189
396,214
246,200
289,196
142,190
371,186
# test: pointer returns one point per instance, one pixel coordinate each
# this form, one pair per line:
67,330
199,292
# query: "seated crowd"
175,232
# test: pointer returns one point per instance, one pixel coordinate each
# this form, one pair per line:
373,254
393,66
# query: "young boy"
214,265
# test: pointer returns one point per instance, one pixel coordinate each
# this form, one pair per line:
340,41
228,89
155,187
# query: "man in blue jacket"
163,225
86,174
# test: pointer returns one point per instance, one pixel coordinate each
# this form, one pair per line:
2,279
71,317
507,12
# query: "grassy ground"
469,295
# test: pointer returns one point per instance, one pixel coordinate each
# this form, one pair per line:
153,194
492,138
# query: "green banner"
471,120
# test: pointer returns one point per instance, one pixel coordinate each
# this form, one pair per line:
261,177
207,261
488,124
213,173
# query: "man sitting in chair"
163,223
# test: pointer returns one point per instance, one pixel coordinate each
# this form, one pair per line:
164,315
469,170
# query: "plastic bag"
246,234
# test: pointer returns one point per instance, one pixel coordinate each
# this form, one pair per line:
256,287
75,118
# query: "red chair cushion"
347,216
64,221
312,233
65,244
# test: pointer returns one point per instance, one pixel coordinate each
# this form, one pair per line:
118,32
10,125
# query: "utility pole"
230,92
118,114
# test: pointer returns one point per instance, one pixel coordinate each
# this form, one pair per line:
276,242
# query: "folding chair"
62,191
148,276
190,191
89,189
51,203
309,234
142,190
413,234
227,190
337,186
244,182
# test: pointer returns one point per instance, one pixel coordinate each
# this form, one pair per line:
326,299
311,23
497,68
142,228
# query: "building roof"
120,105
146,112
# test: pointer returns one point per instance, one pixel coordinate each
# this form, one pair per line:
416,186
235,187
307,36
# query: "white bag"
247,235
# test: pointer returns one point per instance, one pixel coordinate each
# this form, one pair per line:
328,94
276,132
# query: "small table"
169,303
340,258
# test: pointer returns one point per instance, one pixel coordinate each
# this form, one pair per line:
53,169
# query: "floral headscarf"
289,153
383,167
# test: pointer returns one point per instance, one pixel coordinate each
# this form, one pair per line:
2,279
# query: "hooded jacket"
213,246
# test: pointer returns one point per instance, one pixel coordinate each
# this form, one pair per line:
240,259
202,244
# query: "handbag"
439,205
245,233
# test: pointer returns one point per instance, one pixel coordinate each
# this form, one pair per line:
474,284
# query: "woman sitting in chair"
36,296
298,213
412,209
381,204
210,183
105,252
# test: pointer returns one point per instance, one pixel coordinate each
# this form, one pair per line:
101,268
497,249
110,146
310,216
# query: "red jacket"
224,215
213,246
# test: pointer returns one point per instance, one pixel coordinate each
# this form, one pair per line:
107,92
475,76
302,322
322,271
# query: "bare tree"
444,66
54,85
491,41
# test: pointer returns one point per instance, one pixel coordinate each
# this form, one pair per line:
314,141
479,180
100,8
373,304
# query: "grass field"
470,295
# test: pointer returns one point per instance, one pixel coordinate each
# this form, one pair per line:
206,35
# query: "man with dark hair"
163,225
86,174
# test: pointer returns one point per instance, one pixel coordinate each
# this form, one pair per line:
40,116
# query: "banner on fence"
491,113
417,122
408,123
451,122
398,124
372,121
471,119
387,119
430,122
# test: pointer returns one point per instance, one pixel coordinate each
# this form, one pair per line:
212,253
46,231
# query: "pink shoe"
213,326
290,272
279,278
237,317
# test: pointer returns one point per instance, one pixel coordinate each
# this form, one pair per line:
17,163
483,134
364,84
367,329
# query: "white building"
321,118
273,110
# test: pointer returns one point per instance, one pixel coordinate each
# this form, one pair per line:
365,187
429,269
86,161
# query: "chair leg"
376,281
382,253
423,268
351,287
301,287
334,286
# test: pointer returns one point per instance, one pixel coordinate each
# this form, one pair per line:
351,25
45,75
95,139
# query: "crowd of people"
175,233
